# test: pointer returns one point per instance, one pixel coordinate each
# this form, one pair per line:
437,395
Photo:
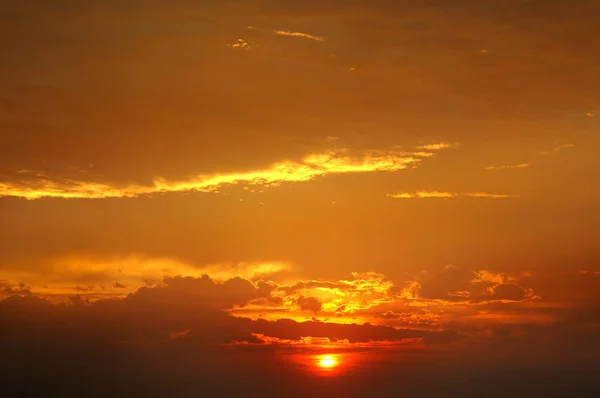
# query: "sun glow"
327,361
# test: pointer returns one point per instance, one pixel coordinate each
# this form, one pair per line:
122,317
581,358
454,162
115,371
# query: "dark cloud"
508,292
459,284
11,289
172,332
292,330
415,318
109,342
197,305
309,304
58,348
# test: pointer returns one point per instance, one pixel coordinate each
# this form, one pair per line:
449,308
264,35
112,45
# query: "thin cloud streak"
557,149
446,195
309,168
508,166
488,195
298,34
437,147
290,33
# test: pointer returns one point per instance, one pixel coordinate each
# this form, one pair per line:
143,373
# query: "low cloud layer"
184,326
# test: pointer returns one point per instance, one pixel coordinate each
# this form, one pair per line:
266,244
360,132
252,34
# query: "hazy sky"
260,179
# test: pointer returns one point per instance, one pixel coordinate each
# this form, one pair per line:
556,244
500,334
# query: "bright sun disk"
326,361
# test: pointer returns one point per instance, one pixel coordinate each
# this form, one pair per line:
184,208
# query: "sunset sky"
385,198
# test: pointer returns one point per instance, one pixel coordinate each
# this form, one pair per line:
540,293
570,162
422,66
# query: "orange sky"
318,176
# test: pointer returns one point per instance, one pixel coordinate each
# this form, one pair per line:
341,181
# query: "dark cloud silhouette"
508,292
309,304
51,354
175,340
459,284
195,304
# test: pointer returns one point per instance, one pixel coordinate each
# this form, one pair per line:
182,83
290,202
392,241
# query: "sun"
327,361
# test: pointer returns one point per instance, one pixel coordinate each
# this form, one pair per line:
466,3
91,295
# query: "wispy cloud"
290,33
422,194
437,146
312,166
241,44
488,195
509,166
446,195
298,34
557,149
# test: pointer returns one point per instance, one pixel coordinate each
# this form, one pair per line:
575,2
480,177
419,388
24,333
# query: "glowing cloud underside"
311,167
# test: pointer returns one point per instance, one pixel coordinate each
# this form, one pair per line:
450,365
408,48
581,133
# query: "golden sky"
279,180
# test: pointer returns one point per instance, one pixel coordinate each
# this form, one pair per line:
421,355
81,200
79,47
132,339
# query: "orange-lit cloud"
98,278
447,195
423,194
290,33
241,44
365,297
315,165
298,34
385,314
488,195
557,149
508,166
437,146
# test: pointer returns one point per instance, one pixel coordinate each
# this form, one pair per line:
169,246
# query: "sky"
219,197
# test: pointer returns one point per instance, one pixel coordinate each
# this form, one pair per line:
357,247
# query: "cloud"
343,297
415,319
510,166
298,34
246,270
488,195
309,304
446,195
197,306
241,308
99,277
509,291
557,149
290,34
191,313
312,166
437,146
458,284
241,44
14,289
354,333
